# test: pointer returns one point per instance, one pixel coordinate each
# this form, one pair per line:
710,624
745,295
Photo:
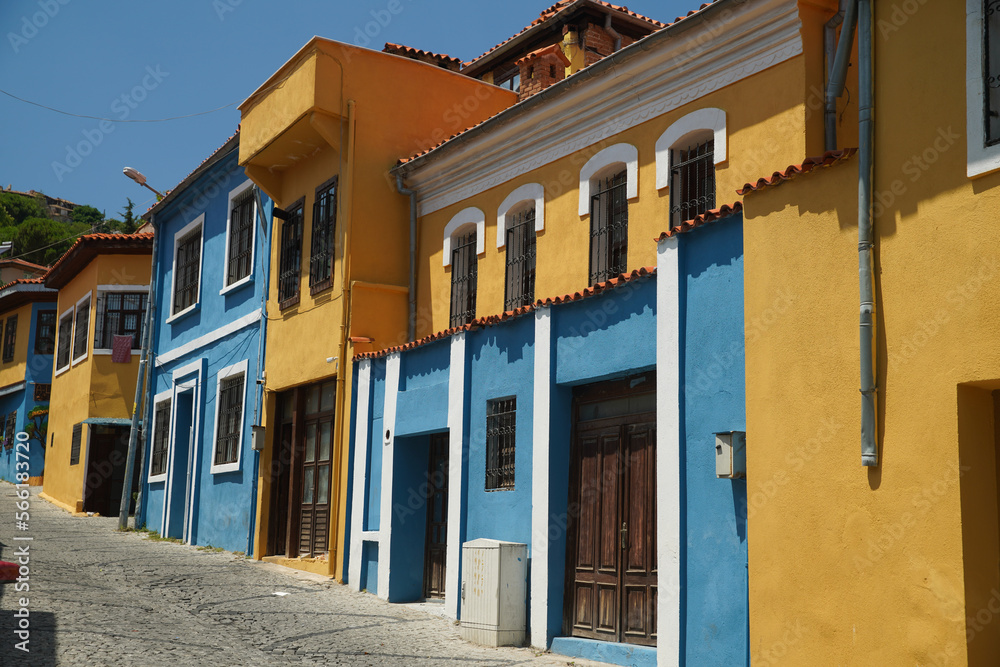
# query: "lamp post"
137,176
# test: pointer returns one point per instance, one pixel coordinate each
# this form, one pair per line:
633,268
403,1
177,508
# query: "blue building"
199,477
27,343
585,427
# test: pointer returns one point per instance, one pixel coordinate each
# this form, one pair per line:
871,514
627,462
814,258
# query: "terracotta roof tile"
723,211
20,262
491,320
410,51
544,51
87,245
777,178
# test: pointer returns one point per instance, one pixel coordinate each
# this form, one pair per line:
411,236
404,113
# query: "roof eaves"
712,215
827,159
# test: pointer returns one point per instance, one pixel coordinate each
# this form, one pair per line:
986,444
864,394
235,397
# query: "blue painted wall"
38,369
713,381
224,501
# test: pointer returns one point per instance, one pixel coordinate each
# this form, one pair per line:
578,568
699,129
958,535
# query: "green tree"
131,222
87,215
20,208
43,241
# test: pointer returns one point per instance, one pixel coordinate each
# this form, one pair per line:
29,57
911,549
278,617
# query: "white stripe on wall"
456,429
361,429
540,480
668,502
389,425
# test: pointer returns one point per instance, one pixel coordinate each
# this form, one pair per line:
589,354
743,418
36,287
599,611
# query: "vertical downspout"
411,324
147,413
611,31
140,380
829,52
866,268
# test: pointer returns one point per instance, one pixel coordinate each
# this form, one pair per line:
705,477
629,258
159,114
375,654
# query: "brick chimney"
542,68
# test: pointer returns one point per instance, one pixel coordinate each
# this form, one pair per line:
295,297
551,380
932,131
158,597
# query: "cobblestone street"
100,597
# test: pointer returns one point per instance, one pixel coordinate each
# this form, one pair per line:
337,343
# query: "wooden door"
316,469
436,541
281,466
611,547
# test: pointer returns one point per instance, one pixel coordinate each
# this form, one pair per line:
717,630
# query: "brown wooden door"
611,548
316,469
281,466
436,542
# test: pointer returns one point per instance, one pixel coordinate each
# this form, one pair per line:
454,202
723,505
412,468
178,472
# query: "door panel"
315,468
436,540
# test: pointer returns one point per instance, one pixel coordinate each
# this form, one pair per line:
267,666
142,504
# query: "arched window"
686,155
463,241
519,218
607,181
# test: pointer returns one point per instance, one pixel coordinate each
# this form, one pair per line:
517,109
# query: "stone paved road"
100,597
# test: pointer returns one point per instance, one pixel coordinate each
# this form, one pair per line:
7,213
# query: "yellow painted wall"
766,128
94,387
13,371
895,565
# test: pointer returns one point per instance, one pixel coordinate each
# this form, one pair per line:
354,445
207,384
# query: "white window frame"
159,398
238,368
981,159
185,231
233,194
529,192
467,216
104,289
599,164
71,311
708,120
84,299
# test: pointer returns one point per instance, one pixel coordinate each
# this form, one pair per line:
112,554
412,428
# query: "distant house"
56,208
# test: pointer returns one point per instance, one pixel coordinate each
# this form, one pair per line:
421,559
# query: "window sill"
225,467
60,371
247,280
153,479
79,359
289,302
321,286
187,311
101,352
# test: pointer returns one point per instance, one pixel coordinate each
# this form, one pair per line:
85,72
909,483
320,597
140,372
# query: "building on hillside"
838,547
321,145
211,258
28,329
103,284
56,208
560,195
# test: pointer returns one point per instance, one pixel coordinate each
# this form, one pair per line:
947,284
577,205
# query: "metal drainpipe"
829,51
611,31
133,435
866,237
147,414
411,325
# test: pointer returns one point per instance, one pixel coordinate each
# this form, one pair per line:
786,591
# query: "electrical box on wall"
731,455
257,434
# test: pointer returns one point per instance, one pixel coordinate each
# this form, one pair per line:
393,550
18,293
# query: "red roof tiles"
89,245
491,320
400,49
723,211
31,266
544,51
809,164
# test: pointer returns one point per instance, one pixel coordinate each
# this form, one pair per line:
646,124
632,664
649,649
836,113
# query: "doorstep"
600,651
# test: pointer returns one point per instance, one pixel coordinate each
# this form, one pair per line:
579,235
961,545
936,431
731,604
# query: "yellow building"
897,563
319,137
103,284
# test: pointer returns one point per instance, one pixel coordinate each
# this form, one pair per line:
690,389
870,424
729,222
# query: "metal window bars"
464,273
609,228
227,438
240,237
520,277
74,450
991,70
119,314
45,332
161,426
187,273
692,182
501,423
290,257
323,224
82,330
9,338
10,427
65,331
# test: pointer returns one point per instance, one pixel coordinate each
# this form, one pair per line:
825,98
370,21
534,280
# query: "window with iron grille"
187,271
609,228
238,264
464,271
11,426
161,436
290,258
501,422
42,392
230,420
520,282
692,181
119,314
323,226
65,335
74,450
82,330
45,332
991,70
9,338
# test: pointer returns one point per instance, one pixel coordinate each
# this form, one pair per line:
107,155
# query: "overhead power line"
118,120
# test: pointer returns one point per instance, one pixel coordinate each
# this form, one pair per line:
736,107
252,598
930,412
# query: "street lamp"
137,176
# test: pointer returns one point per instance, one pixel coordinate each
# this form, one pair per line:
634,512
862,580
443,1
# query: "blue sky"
143,60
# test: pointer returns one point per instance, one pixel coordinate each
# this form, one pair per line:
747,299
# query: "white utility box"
494,592
731,455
